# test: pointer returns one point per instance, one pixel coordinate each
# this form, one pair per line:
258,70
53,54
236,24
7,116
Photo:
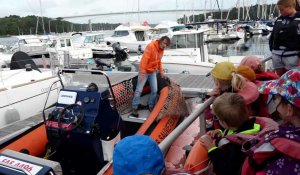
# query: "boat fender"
11,115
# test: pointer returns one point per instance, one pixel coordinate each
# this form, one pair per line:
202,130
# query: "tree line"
16,25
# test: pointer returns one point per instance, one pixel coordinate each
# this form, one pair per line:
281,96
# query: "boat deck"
191,85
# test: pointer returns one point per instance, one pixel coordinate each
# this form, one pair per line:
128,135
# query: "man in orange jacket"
149,65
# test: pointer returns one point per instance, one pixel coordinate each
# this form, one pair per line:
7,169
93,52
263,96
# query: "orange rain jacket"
151,60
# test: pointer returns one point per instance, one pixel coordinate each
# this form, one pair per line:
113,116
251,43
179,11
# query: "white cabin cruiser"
28,44
100,48
133,36
23,89
166,28
222,31
257,28
63,45
187,54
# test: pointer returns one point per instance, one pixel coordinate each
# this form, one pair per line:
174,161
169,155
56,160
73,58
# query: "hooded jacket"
151,60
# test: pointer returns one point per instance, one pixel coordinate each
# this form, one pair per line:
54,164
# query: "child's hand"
215,92
215,134
207,141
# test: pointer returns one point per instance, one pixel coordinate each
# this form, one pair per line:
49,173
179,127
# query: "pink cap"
251,61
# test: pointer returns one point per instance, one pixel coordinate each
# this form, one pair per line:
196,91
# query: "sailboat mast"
221,9
258,9
244,10
138,10
193,11
37,25
42,16
176,9
238,9
204,9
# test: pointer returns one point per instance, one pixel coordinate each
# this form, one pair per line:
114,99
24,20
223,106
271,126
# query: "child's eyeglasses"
215,117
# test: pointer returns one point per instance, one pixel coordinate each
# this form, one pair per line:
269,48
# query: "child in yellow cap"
227,79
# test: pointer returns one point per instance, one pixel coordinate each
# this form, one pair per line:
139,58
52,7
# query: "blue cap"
137,154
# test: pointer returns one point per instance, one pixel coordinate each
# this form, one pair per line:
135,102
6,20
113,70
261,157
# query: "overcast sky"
63,8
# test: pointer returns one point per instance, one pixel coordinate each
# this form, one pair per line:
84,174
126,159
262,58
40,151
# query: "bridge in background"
189,12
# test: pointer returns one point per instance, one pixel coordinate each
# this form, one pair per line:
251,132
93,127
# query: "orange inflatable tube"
197,161
164,127
35,142
162,98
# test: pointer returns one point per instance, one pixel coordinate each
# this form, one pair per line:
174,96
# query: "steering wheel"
70,120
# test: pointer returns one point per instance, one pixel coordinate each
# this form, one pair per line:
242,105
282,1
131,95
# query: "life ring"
197,161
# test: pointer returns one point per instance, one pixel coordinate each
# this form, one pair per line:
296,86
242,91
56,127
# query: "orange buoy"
197,161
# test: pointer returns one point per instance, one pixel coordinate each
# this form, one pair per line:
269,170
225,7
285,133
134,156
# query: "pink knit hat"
249,92
251,61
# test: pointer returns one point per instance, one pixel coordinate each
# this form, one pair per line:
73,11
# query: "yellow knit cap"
223,70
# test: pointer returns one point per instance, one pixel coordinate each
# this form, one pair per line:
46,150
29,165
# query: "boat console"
82,112
84,117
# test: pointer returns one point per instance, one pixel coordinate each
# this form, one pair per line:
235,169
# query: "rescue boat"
92,113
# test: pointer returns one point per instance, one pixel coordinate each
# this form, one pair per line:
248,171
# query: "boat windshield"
89,39
178,28
32,40
120,33
84,79
160,31
94,38
186,41
99,38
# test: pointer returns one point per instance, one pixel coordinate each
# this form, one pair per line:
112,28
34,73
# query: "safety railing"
199,112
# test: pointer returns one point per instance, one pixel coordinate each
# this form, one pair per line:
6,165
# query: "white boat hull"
23,94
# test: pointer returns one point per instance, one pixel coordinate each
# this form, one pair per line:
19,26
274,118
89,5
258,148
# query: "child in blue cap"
137,155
